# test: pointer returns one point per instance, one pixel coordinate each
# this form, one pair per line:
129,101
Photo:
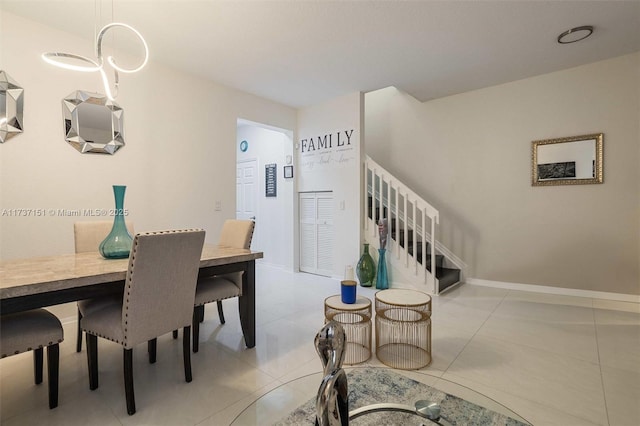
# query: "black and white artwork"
270,180
565,170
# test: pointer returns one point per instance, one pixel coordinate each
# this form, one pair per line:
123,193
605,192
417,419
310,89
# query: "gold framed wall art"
574,160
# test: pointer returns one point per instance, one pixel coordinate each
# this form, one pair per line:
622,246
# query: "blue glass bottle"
118,243
382,281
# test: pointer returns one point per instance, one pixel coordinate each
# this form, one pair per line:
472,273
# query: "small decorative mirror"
567,161
11,104
93,123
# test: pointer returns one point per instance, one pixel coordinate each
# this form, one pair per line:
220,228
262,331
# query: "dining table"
51,280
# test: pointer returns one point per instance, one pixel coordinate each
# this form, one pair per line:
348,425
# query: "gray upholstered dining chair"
32,331
87,237
236,234
158,298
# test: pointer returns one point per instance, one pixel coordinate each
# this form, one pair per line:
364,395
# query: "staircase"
412,231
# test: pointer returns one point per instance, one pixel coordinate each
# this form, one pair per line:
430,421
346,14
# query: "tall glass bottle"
382,280
118,243
366,268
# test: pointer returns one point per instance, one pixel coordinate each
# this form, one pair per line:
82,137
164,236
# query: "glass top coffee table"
293,403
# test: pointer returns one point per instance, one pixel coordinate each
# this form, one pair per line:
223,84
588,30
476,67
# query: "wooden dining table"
46,281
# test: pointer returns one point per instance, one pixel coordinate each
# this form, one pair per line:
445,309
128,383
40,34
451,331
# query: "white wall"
274,215
181,141
470,156
337,169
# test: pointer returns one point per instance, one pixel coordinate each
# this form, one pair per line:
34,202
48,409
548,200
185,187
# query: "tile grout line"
544,349
604,392
474,334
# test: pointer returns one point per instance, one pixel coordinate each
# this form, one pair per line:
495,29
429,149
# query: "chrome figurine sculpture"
332,402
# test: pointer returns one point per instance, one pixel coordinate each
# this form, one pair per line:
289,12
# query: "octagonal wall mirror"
93,123
572,160
11,107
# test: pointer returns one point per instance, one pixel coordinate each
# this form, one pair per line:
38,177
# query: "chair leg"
196,327
220,311
186,353
79,336
151,347
175,334
128,381
201,314
37,365
53,365
92,360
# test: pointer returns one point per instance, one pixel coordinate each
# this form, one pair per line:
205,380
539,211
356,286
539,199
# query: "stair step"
447,277
370,209
409,237
439,258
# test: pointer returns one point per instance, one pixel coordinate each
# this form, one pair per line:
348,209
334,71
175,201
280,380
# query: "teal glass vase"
382,281
366,268
118,243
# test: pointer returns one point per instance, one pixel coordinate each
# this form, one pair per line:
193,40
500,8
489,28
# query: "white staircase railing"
409,217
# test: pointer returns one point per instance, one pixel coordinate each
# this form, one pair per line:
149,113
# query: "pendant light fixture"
98,65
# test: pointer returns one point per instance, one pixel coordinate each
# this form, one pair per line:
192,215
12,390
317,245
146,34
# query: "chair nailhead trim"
104,337
30,349
18,351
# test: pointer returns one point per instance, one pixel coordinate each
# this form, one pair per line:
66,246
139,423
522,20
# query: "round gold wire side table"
355,318
403,328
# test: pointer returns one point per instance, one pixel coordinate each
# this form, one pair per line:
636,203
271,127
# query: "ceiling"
300,53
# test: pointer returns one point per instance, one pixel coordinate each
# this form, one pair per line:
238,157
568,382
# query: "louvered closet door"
316,232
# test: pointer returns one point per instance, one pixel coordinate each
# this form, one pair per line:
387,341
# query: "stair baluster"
407,213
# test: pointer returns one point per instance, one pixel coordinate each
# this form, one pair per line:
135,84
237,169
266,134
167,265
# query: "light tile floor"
555,360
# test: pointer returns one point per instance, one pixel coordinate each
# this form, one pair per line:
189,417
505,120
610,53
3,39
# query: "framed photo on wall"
288,172
270,180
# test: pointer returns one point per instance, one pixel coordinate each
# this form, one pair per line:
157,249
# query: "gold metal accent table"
403,328
355,318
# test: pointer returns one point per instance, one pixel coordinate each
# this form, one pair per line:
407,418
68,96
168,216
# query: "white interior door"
316,232
247,195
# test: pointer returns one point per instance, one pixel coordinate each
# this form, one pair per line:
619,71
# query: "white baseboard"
262,262
556,290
